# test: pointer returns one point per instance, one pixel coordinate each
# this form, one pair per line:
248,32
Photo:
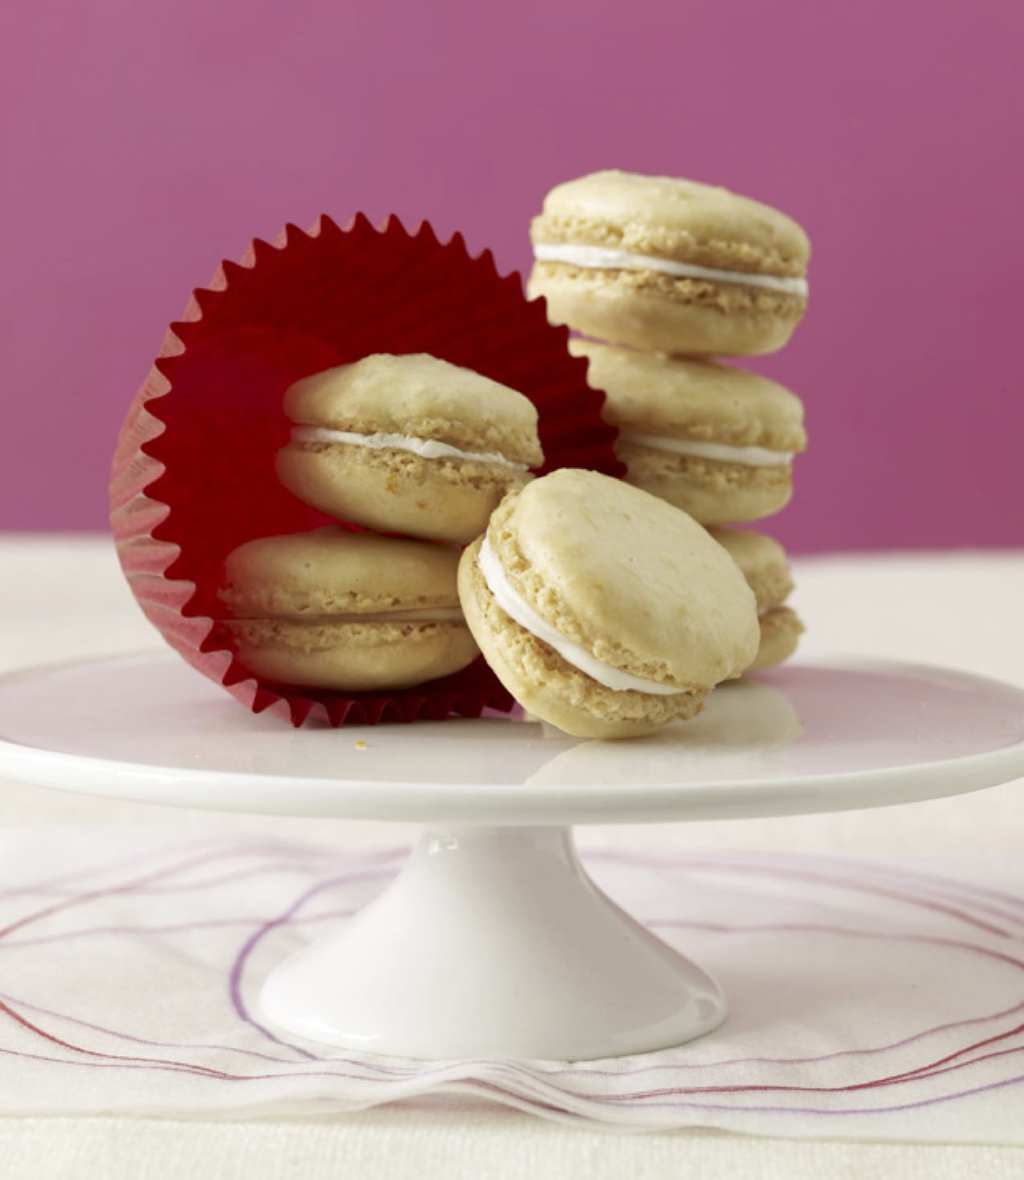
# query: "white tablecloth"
62,597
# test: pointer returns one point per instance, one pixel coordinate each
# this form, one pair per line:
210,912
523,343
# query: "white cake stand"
493,941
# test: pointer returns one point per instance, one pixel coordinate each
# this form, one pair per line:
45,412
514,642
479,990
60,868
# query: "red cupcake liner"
193,474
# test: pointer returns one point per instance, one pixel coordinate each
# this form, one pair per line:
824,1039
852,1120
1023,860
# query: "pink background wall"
142,141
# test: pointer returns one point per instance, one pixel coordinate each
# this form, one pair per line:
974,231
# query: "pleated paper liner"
193,475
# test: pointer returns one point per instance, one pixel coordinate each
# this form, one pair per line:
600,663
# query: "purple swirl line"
283,919
126,887
456,1074
168,928
843,883
952,884
392,1070
963,893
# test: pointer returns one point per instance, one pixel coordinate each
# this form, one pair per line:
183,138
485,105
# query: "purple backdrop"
143,141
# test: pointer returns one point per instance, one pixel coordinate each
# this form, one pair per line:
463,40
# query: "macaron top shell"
762,561
674,218
680,397
330,571
421,396
635,581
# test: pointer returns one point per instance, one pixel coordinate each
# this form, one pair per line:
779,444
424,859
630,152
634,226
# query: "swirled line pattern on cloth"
867,1001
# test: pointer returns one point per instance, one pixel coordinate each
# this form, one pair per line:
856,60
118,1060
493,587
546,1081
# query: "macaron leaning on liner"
762,561
603,610
349,611
408,444
668,264
714,440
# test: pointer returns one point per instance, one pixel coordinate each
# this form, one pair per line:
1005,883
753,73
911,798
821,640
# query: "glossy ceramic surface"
493,941
803,738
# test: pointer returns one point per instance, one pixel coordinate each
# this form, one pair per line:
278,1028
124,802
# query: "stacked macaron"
762,562
659,276
397,444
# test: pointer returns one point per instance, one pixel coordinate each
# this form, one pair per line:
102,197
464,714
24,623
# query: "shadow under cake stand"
492,940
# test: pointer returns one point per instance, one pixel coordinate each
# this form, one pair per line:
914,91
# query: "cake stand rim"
508,804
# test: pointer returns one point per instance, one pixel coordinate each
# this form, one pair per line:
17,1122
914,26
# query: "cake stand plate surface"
492,940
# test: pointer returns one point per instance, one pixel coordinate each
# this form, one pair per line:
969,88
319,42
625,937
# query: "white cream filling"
426,448
603,258
506,596
748,456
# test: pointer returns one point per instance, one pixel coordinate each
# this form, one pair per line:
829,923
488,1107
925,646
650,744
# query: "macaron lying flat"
408,444
674,265
762,561
603,610
345,611
714,440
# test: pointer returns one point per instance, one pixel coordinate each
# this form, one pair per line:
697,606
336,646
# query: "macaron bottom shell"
351,656
549,687
397,491
711,491
657,312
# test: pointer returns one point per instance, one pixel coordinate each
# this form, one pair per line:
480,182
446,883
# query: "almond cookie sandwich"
713,439
408,444
603,610
345,611
668,264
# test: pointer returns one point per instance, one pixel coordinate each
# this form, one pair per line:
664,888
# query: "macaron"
762,561
714,440
603,610
408,444
673,265
345,611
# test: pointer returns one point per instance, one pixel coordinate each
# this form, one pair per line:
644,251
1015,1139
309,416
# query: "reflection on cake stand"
493,940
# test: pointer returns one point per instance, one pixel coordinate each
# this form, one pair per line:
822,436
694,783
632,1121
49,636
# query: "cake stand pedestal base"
493,942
